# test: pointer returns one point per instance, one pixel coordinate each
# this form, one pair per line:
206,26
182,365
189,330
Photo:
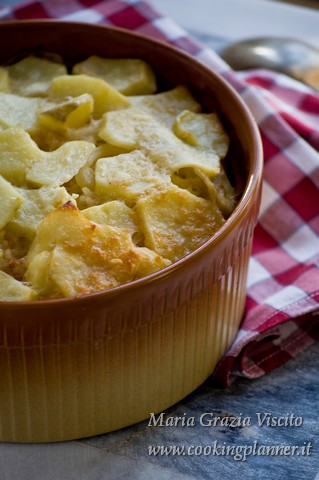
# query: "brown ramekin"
77,367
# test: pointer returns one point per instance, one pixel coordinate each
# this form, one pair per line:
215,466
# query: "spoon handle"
289,56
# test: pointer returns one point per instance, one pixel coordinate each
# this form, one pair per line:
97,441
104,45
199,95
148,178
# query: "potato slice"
166,106
11,290
202,130
176,222
105,97
21,160
31,77
114,213
127,176
72,256
108,262
71,113
49,140
38,275
85,177
193,180
10,201
88,132
64,224
17,151
217,188
81,272
220,190
4,80
149,262
19,111
86,257
135,129
36,205
124,129
58,167
129,76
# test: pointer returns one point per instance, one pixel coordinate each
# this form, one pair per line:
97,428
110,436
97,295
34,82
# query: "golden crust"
83,257
176,222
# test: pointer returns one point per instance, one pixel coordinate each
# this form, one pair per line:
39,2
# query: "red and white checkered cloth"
282,313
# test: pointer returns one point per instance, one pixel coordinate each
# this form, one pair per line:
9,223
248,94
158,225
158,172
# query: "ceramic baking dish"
78,367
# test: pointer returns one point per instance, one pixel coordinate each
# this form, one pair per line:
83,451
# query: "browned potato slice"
63,225
176,222
149,262
73,256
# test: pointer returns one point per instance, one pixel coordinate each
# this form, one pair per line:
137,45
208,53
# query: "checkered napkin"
282,311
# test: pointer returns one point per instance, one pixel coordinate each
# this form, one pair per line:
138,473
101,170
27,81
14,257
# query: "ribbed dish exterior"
93,375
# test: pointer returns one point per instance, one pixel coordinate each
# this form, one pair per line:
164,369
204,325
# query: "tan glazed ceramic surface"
79,367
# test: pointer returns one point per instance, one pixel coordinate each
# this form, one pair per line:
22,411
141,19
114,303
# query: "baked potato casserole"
104,178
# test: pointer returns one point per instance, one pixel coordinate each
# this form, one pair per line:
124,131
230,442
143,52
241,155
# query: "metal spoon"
287,55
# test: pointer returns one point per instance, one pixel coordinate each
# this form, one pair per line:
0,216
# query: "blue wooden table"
203,445
217,429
